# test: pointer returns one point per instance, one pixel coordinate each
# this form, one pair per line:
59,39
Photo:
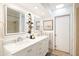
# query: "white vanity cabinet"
36,47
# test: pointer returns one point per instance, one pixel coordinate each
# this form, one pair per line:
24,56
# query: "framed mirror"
15,21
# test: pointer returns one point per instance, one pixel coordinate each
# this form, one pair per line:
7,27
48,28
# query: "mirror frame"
5,21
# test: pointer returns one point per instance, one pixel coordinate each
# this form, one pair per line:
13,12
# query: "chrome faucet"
19,39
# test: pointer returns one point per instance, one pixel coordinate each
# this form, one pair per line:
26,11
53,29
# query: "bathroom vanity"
15,34
28,47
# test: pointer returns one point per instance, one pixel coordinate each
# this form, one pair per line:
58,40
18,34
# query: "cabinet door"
29,51
42,47
45,46
39,48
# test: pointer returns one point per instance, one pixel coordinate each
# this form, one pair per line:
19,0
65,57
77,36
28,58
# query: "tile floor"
57,53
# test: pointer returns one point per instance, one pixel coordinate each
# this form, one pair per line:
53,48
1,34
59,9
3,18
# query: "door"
62,33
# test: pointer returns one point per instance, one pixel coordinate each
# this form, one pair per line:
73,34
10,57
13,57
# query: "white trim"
74,29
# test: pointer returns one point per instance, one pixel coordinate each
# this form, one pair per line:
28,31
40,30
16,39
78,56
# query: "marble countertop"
15,47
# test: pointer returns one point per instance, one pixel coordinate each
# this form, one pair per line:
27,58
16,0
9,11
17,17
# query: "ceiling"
41,9
52,6
35,8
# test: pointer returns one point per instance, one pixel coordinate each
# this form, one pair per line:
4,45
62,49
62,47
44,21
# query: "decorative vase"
30,27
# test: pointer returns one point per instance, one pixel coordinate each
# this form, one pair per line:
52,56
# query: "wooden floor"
58,53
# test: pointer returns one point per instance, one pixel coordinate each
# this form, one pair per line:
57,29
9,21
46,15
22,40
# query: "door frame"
55,31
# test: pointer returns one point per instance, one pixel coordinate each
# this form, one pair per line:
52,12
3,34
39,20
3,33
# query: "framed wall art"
48,24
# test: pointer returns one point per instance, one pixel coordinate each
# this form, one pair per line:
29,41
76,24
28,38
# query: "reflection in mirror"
12,21
22,22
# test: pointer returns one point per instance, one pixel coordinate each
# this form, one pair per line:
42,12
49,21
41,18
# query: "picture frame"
37,25
48,24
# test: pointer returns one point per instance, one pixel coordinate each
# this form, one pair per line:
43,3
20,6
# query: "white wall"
1,29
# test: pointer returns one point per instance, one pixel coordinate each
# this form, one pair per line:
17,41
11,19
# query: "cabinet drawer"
29,51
